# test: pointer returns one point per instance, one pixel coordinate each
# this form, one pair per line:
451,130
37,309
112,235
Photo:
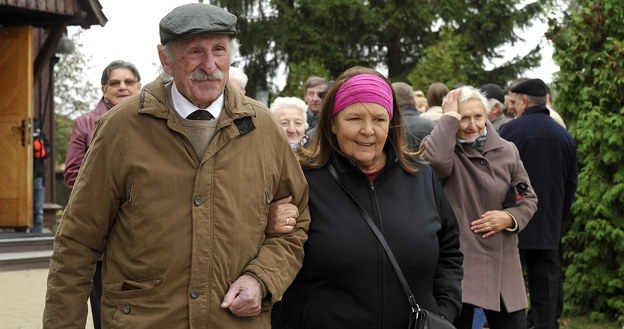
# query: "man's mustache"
201,75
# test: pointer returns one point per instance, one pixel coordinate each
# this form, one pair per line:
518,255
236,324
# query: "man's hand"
244,297
492,222
282,216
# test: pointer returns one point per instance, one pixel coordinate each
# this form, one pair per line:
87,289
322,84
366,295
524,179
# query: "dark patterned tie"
200,115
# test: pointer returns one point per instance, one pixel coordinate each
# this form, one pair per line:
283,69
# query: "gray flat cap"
196,18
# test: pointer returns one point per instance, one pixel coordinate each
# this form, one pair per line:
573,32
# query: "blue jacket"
548,152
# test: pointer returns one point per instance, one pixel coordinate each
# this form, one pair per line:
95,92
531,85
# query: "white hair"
238,75
469,93
492,102
281,103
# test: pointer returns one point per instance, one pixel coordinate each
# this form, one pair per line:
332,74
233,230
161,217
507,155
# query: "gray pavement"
22,298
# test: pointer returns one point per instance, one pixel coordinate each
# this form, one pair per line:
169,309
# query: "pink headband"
363,88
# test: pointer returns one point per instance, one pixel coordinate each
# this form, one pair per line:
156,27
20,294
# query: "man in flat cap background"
496,101
178,181
548,153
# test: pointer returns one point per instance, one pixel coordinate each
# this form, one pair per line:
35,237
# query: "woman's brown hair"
325,144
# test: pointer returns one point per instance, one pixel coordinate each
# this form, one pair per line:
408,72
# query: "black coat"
548,153
346,280
416,128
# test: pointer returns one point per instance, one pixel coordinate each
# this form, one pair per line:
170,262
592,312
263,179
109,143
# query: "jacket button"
126,309
194,294
197,201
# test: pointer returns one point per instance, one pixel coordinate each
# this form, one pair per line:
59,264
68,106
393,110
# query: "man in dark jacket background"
548,152
416,128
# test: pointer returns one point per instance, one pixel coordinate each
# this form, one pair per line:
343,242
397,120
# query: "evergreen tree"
589,48
337,34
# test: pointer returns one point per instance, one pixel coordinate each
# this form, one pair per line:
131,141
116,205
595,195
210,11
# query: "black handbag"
419,318
515,194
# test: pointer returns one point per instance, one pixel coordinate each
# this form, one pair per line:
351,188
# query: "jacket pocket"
132,289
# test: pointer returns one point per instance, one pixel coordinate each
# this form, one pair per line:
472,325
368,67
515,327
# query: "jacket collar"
409,110
535,109
100,108
347,165
155,102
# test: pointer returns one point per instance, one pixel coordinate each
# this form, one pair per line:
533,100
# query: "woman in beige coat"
477,167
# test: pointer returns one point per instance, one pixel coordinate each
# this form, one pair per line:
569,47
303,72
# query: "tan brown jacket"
179,230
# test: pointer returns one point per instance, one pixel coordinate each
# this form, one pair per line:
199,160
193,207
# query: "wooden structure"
30,31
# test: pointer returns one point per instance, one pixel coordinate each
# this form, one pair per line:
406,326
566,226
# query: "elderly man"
548,153
178,181
496,101
314,88
416,128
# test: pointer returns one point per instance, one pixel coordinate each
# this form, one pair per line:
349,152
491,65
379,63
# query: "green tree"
396,34
73,93
589,48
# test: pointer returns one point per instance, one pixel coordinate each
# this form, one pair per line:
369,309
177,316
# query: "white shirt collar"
184,107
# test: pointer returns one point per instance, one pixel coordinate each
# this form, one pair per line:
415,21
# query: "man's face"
517,104
121,85
312,98
200,67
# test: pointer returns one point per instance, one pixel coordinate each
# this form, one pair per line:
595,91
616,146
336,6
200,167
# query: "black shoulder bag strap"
384,244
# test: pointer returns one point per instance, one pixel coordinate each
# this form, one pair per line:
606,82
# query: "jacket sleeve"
449,272
75,152
281,256
525,210
79,241
571,184
440,145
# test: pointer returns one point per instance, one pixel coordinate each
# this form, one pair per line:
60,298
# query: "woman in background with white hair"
478,169
291,114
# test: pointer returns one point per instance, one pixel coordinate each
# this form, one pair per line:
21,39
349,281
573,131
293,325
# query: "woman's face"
121,84
472,121
361,130
293,122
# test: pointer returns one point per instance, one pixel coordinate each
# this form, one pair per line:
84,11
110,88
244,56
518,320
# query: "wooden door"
16,83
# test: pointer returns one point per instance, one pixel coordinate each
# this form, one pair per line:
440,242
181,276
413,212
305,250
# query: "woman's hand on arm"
282,216
492,222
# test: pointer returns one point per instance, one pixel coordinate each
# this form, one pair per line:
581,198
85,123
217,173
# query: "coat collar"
536,109
492,142
155,102
347,165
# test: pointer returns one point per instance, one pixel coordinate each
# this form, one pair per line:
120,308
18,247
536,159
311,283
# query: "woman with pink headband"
347,281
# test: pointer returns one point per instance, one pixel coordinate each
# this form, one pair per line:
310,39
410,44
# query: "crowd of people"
193,205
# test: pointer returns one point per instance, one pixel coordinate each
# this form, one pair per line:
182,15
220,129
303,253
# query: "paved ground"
22,297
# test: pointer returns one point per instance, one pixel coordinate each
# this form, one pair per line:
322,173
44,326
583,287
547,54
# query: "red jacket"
80,142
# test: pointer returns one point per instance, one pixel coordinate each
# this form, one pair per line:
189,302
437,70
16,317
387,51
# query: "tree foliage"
406,37
589,48
74,94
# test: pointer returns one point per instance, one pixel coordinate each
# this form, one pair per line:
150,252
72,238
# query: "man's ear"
164,60
497,108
